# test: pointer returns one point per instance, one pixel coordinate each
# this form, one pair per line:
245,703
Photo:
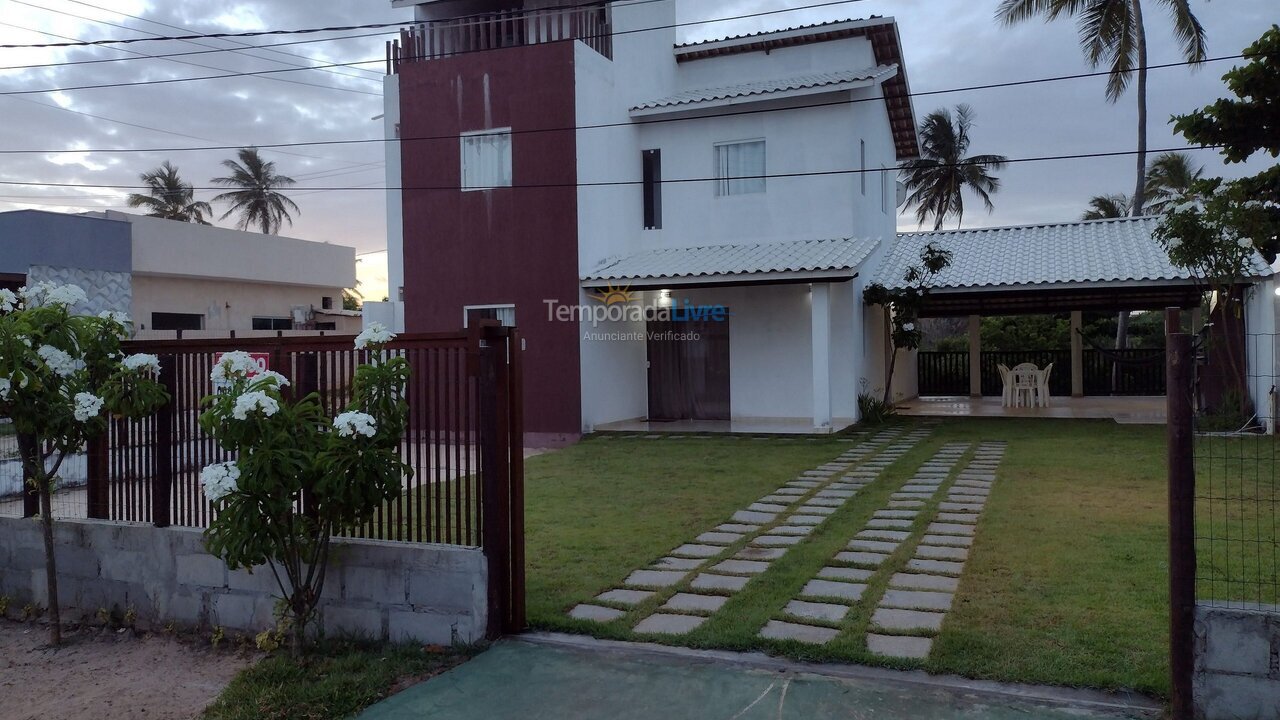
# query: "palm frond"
1188,30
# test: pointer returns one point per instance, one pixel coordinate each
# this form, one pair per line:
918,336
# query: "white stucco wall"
229,304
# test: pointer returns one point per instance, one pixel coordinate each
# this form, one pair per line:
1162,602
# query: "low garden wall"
380,590
1237,663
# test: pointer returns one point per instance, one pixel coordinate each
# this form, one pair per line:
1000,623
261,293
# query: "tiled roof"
746,259
781,30
1093,251
766,87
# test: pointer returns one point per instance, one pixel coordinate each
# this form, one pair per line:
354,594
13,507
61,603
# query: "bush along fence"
1224,551
461,493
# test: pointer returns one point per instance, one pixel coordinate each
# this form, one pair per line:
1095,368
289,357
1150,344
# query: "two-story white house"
681,232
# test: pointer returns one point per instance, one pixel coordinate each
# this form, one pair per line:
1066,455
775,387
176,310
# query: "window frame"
464,138
723,184
253,323
466,313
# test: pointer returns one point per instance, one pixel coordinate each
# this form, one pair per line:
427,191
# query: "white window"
504,314
486,159
740,167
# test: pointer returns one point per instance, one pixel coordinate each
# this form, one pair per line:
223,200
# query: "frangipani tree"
61,375
301,477
901,306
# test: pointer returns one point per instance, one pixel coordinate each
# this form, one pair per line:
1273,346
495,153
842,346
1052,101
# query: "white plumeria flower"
350,424
375,334
143,362
270,377
232,365
254,401
47,293
5,386
87,407
1244,243
115,316
58,361
220,480
909,327
8,301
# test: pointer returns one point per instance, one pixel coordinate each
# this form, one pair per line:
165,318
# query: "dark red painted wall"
508,245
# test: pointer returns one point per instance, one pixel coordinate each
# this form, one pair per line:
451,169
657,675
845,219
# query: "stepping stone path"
827,599
911,611
695,579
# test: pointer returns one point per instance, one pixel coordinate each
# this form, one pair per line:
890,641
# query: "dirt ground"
101,675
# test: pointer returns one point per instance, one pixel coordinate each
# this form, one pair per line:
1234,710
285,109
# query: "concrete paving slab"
595,613
655,578
746,516
951,506
625,597
905,504
741,567
778,499
766,508
935,567
778,630
815,510
719,538
845,573
674,563
916,581
884,534
949,540
835,493
916,488
868,559
697,550
805,520
900,514
826,501
790,491
692,602
804,483
833,588
759,553
917,600
777,540
900,646
791,530
877,546
950,517
934,552
737,528
906,620
829,612
708,581
938,528
666,624
888,523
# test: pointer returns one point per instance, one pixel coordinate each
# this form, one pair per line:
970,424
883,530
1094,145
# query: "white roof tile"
768,87
1097,251
743,259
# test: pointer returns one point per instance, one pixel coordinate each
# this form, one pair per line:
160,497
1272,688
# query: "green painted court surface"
523,680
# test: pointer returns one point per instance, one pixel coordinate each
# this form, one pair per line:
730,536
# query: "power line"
281,53
673,181
181,62
628,123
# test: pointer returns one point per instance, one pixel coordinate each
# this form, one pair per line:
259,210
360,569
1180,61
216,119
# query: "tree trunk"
50,569
1122,343
1140,188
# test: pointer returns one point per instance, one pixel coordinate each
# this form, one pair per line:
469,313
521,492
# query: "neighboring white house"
169,276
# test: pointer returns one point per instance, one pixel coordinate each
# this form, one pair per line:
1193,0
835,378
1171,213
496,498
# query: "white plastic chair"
1042,391
1026,383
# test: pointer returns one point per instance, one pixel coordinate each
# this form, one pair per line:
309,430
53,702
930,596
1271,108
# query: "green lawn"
1066,583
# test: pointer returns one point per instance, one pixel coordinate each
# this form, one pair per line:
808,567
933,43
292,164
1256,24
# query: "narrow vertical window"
862,164
652,160
886,190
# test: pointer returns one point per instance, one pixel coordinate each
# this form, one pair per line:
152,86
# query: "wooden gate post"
1179,366
162,446
495,469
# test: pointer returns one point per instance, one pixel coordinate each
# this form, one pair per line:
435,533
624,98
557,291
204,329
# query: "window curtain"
740,168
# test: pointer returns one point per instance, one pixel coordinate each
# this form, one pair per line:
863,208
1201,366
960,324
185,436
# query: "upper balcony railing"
490,31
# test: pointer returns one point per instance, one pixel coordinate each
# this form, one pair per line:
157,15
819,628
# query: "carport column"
975,356
1077,354
820,324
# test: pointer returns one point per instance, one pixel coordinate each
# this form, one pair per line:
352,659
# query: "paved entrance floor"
580,679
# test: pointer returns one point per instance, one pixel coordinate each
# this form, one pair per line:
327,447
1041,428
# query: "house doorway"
688,370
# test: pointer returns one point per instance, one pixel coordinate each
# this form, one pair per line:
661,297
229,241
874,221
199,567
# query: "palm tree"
937,178
1112,32
257,198
169,197
1170,176
1102,207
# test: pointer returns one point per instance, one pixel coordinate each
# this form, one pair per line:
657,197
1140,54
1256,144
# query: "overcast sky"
947,44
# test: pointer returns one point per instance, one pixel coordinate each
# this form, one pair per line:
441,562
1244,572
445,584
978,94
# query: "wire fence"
69,500
1237,498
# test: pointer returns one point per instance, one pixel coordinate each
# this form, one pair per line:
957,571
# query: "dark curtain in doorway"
689,378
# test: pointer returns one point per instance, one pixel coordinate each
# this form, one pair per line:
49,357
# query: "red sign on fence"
261,359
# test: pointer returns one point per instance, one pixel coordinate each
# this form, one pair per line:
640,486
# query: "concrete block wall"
1237,668
379,590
